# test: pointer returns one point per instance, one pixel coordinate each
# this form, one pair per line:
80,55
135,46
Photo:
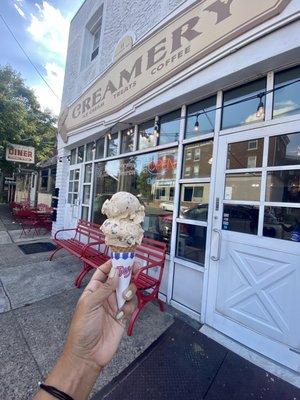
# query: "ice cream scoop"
124,205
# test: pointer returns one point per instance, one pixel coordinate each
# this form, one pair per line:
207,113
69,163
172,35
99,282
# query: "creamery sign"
193,34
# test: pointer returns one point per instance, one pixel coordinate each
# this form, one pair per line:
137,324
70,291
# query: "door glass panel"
245,187
283,186
206,120
247,154
240,218
194,201
86,194
70,198
284,150
75,196
73,157
76,174
85,213
100,148
76,186
237,112
88,173
197,160
70,186
287,99
71,175
191,242
282,223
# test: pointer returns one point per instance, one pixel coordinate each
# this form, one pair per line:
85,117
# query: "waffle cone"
118,249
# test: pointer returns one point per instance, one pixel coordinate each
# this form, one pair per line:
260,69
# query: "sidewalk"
163,359
37,299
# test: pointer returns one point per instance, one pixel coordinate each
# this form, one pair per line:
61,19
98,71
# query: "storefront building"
195,108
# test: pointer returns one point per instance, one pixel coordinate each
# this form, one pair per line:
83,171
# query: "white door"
73,204
254,277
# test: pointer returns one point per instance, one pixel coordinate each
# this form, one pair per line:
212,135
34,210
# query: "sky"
42,29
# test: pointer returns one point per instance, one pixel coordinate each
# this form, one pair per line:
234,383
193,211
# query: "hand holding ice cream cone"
123,233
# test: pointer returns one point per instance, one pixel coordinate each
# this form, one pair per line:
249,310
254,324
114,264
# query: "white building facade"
195,108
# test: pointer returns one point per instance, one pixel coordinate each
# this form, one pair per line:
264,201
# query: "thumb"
107,288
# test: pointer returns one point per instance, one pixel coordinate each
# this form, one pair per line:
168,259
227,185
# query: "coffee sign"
20,154
186,39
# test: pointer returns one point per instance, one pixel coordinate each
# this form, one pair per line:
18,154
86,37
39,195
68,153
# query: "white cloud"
49,28
55,77
20,11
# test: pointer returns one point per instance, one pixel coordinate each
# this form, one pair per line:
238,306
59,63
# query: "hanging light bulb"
156,130
260,112
130,131
197,125
109,135
94,147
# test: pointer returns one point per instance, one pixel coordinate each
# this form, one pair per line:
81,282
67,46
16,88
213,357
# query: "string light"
156,127
109,136
94,147
260,112
197,125
130,131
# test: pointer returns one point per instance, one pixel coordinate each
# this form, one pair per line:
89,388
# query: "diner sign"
19,153
187,38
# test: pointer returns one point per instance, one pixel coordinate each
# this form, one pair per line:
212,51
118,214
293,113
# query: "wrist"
74,376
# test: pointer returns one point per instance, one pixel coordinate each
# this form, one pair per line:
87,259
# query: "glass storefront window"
169,125
86,194
240,218
283,186
80,154
89,151
246,154
151,177
206,120
191,242
85,213
282,223
73,186
284,150
113,144
237,114
194,201
287,99
146,136
127,139
197,160
73,157
100,148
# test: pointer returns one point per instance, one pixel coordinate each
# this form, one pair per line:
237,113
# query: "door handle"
218,232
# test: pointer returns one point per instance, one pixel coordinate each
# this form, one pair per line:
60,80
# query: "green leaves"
21,119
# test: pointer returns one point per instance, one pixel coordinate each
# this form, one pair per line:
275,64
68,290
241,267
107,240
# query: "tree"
21,119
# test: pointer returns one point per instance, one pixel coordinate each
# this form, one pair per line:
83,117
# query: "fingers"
104,290
129,293
136,267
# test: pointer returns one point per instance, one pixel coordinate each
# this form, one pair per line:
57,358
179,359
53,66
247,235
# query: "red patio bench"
86,237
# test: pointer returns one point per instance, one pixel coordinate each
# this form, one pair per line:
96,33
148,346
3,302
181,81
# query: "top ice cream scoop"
122,228
124,205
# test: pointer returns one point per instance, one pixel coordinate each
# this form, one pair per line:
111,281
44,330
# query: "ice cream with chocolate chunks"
122,228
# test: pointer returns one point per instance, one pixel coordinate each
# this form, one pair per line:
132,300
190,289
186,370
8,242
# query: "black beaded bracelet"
55,392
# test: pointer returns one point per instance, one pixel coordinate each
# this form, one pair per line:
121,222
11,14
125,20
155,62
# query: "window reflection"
151,177
146,136
245,187
197,160
284,150
246,154
287,99
80,154
206,120
191,242
89,151
113,145
194,201
100,148
282,223
283,186
127,138
73,157
240,218
236,113
169,127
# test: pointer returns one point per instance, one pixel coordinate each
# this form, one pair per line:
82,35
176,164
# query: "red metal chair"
152,254
28,221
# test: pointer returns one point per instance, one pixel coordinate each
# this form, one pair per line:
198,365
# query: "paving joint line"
217,371
6,294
